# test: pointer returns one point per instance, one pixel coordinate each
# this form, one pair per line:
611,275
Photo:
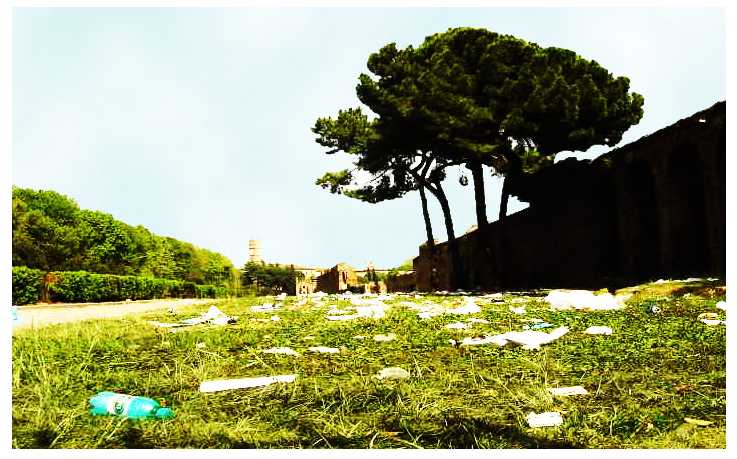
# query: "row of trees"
51,233
474,99
271,278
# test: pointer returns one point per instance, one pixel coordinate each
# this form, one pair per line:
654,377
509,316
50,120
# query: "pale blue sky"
196,122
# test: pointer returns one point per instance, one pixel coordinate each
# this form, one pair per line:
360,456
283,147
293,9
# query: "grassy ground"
654,371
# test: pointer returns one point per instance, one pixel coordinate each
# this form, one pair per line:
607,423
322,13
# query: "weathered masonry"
654,208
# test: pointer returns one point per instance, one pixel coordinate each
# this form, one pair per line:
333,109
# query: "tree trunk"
456,271
426,215
505,199
477,173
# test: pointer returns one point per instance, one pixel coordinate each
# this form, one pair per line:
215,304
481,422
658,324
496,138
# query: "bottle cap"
164,413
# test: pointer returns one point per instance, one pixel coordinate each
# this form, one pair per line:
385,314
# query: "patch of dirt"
40,315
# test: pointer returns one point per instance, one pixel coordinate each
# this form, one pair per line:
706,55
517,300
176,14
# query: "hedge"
27,285
83,286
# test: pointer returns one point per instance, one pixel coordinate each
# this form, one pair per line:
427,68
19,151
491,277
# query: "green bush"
27,285
82,286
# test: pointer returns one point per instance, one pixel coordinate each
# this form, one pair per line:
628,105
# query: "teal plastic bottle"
128,406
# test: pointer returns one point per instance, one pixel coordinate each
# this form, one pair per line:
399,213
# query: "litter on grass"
324,350
568,391
385,338
213,316
244,383
528,339
281,350
598,330
722,305
537,326
393,373
266,307
547,419
711,318
563,300
698,422
457,325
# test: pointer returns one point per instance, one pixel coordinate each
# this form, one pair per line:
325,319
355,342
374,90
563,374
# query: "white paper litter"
598,330
324,350
244,383
519,310
393,373
385,338
567,391
547,419
280,350
213,315
275,318
722,305
528,339
266,307
585,300
713,322
166,325
457,325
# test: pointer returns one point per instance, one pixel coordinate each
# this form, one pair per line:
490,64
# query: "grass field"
643,380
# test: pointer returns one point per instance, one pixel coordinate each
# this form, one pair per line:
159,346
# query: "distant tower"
254,251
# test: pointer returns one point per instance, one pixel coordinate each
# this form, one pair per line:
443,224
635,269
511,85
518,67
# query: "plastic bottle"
128,406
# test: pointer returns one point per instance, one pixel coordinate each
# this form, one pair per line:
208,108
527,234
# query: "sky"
195,123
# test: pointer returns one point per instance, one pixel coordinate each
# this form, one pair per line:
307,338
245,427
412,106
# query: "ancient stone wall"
654,208
339,278
401,283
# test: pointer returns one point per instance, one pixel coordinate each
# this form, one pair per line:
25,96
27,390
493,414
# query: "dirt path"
37,316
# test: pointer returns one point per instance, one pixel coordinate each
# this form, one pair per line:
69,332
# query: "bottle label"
118,404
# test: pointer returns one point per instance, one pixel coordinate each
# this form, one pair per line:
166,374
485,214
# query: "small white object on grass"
324,350
546,419
598,330
457,325
244,383
393,373
280,350
520,310
722,305
385,338
477,321
567,391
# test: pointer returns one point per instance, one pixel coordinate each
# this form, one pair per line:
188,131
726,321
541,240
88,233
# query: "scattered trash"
324,350
200,345
266,307
698,422
213,315
567,391
520,310
660,281
469,307
281,297
585,300
393,373
547,419
275,318
128,406
710,318
529,339
280,350
722,305
244,383
385,338
538,326
453,342
457,325
598,330
359,337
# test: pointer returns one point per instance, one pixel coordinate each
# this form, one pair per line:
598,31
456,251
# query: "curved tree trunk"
456,267
477,173
426,216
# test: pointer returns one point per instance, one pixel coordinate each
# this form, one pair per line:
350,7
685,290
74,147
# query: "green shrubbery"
83,286
27,285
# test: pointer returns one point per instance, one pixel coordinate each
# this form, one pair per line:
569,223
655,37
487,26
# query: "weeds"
655,370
